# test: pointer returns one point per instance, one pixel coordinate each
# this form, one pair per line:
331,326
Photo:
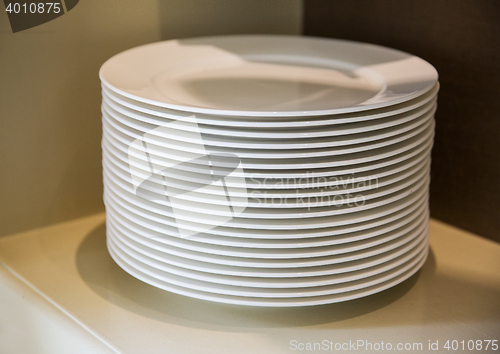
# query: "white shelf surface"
61,292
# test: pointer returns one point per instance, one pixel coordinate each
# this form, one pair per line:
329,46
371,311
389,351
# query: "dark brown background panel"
462,40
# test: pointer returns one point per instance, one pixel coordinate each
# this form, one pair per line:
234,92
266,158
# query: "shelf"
63,276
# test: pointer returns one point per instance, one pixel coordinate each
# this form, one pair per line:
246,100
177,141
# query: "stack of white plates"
268,170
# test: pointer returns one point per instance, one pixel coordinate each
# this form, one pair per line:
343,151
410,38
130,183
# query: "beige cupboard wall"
50,154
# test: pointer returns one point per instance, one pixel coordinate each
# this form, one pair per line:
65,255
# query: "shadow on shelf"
107,279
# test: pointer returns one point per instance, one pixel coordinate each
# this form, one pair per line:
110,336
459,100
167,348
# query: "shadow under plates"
414,297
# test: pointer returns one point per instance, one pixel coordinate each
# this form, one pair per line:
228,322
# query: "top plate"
267,76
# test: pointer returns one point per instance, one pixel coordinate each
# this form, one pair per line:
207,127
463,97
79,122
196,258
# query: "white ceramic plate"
273,268
252,301
270,292
263,238
337,179
199,223
214,135
195,172
370,233
162,145
262,198
143,239
268,209
159,114
286,107
230,256
134,158
156,261
157,190
206,212
267,75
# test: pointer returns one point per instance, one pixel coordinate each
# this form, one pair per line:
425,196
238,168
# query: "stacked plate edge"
268,170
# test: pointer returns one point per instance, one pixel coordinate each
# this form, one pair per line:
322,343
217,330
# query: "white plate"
204,211
371,233
155,261
330,246
272,268
159,114
197,174
123,178
279,147
365,257
214,135
257,146
145,239
223,235
156,191
199,222
161,145
295,204
267,292
337,179
134,157
267,75
251,301
319,178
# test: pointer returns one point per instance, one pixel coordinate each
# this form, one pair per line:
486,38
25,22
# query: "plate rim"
227,112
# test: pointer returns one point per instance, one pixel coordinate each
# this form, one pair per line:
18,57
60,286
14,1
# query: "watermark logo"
204,188
311,192
181,171
29,14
